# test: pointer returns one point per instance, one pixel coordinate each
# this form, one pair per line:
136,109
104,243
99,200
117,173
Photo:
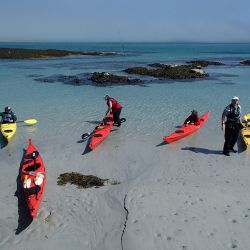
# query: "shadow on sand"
162,144
3,142
203,150
93,122
86,150
241,145
24,219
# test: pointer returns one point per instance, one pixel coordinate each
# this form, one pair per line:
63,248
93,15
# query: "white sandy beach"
175,198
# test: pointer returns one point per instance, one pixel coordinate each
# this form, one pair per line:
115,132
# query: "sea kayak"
33,178
8,130
245,132
101,131
186,130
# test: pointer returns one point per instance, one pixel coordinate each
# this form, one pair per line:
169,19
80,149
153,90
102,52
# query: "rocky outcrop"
105,77
168,71
17,53
76,80
246,62
204,63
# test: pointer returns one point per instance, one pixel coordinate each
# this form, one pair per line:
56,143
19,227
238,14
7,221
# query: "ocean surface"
64,112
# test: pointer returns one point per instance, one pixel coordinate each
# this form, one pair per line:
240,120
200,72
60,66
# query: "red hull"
186,130
33,178
101,131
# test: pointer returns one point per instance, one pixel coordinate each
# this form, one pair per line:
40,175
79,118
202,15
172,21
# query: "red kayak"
186,130
101,131
33,178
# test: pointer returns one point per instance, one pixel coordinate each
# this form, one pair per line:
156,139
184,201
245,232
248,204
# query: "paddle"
29,121
87,135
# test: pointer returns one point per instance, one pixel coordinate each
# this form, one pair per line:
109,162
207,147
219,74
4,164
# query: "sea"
152,110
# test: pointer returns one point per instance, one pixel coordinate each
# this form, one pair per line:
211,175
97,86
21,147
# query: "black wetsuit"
232,127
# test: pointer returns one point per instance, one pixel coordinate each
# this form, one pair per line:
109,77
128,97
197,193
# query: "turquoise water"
65,112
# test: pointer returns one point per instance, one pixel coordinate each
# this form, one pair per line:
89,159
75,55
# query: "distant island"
17,53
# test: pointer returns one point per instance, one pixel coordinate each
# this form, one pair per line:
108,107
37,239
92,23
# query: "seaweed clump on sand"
80,180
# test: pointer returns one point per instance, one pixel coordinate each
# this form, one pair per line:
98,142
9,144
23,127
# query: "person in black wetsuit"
193,118
231,122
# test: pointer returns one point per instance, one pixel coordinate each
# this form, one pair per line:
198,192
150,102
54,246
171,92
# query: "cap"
7,108
235,98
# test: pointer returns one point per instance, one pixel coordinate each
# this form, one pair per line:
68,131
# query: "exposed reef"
17,53
246,62
204,63
169,71
105,77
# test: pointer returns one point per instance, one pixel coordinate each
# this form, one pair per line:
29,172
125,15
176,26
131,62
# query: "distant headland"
18,53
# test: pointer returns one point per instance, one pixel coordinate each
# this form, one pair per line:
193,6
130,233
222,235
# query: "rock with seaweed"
168,71
19,53
204,63
105,77
246,62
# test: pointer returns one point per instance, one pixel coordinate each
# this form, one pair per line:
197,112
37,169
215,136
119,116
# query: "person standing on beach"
115,108
231,122
8,116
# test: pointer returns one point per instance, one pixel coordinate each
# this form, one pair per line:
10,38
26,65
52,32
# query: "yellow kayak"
8,130
245,132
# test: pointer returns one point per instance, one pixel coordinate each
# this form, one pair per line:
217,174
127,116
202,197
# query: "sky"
125,20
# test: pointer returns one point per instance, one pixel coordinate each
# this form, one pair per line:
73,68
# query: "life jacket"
233,114
7,117
115,104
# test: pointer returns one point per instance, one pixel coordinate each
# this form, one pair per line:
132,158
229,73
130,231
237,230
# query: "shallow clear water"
65,112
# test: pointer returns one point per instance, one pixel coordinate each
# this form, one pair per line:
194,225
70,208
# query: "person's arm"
187,121
14,117
109,108
223,120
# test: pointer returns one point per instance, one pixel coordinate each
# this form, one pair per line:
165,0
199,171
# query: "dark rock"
159,65
105,77
204,63
246,62
169,72
17,53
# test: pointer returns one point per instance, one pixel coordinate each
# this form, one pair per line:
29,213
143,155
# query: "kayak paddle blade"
30,121
85,136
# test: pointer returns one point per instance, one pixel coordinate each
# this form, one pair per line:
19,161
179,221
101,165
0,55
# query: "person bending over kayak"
8,116
193,118
115,108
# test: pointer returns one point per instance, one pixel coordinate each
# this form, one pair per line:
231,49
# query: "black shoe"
226,153
233,150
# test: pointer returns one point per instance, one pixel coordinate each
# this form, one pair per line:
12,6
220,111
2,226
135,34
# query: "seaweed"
80,180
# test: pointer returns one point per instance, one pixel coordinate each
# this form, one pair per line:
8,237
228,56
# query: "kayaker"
115,108
193,118
230,121
8,116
